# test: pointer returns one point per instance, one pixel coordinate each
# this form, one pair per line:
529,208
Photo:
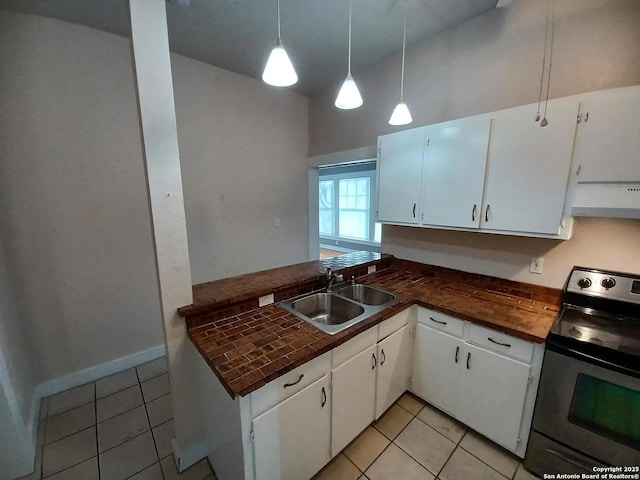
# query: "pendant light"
279,71
349,96
401,114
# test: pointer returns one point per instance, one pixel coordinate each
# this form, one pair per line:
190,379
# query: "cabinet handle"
324,398
486,213
375,362
457,352
473,212
468,358
414,210
294,383
383,358
508,345
437,321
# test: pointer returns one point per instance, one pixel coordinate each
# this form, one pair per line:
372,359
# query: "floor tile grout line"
95,419
478,458
69,467
153,438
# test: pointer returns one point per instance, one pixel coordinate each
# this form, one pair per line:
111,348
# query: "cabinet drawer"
499,342
283,387
440,321
395,323
353,347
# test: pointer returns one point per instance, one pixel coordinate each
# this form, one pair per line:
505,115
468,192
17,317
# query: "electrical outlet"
265,300
536,265
371,269
276,221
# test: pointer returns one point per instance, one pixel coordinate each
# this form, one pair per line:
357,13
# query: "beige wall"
486,64
72,193
241,146
490,63
598,243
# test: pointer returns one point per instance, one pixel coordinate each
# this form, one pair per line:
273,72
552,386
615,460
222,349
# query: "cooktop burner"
601,308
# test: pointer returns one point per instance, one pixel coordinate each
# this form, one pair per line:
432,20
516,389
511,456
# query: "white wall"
74,206
490,63
17,383
241,149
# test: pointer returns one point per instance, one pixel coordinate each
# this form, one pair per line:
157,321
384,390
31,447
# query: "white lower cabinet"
492,395
394,368
436,376
492,390
353,394
291,440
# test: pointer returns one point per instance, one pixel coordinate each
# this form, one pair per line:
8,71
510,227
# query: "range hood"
615,200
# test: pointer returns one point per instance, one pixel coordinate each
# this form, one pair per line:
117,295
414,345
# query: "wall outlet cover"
371,269
265,300
536,265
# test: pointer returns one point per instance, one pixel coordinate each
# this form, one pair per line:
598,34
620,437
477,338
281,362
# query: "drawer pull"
508,345
437,321
324,398
374,361
294,383
468,358
457,352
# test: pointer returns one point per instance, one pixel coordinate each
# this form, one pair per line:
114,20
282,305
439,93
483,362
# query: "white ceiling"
238,34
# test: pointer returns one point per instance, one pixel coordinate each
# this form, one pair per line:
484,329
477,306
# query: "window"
347,205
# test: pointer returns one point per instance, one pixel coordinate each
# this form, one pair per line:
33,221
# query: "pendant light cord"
349,58
553,27
544,54
279,40
404,45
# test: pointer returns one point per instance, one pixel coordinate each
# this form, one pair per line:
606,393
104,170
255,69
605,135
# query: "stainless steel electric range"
587,412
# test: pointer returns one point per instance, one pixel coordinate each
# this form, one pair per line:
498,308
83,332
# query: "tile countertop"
247,346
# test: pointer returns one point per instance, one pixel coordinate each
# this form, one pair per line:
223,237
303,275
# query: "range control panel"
598,283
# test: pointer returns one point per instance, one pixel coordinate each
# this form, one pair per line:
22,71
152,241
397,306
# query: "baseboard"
190,456
91,374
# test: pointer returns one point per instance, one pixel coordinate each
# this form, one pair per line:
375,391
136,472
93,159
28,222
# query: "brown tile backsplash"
247,346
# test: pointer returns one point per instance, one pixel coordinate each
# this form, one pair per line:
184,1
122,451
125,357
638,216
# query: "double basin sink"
332,312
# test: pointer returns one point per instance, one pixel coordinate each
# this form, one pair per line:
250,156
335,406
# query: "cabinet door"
399,176
291,440
492,395
436,372
352,398
453,173
608,138
394,368
529,169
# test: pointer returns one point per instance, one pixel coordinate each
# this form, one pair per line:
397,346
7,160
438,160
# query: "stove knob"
584,282
608,283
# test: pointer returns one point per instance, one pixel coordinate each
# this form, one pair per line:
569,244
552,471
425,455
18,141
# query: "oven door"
593,409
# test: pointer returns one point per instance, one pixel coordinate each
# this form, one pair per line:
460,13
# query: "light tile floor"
119,427
414,440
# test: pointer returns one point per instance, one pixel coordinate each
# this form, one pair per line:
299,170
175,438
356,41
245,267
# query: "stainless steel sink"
365,294
327,309
332,312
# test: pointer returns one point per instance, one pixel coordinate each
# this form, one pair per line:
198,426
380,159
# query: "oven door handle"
570,459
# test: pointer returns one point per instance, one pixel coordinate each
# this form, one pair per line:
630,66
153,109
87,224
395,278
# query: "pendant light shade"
349,96
401,114
279,71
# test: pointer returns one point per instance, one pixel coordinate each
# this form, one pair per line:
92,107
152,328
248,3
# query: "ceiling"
238,35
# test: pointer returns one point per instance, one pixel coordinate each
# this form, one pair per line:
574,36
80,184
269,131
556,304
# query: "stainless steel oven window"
607,409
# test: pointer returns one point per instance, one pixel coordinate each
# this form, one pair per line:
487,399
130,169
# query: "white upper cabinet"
528,169
399,176
453,172
608,139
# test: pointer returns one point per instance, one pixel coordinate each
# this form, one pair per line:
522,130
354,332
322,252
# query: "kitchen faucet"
333,277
